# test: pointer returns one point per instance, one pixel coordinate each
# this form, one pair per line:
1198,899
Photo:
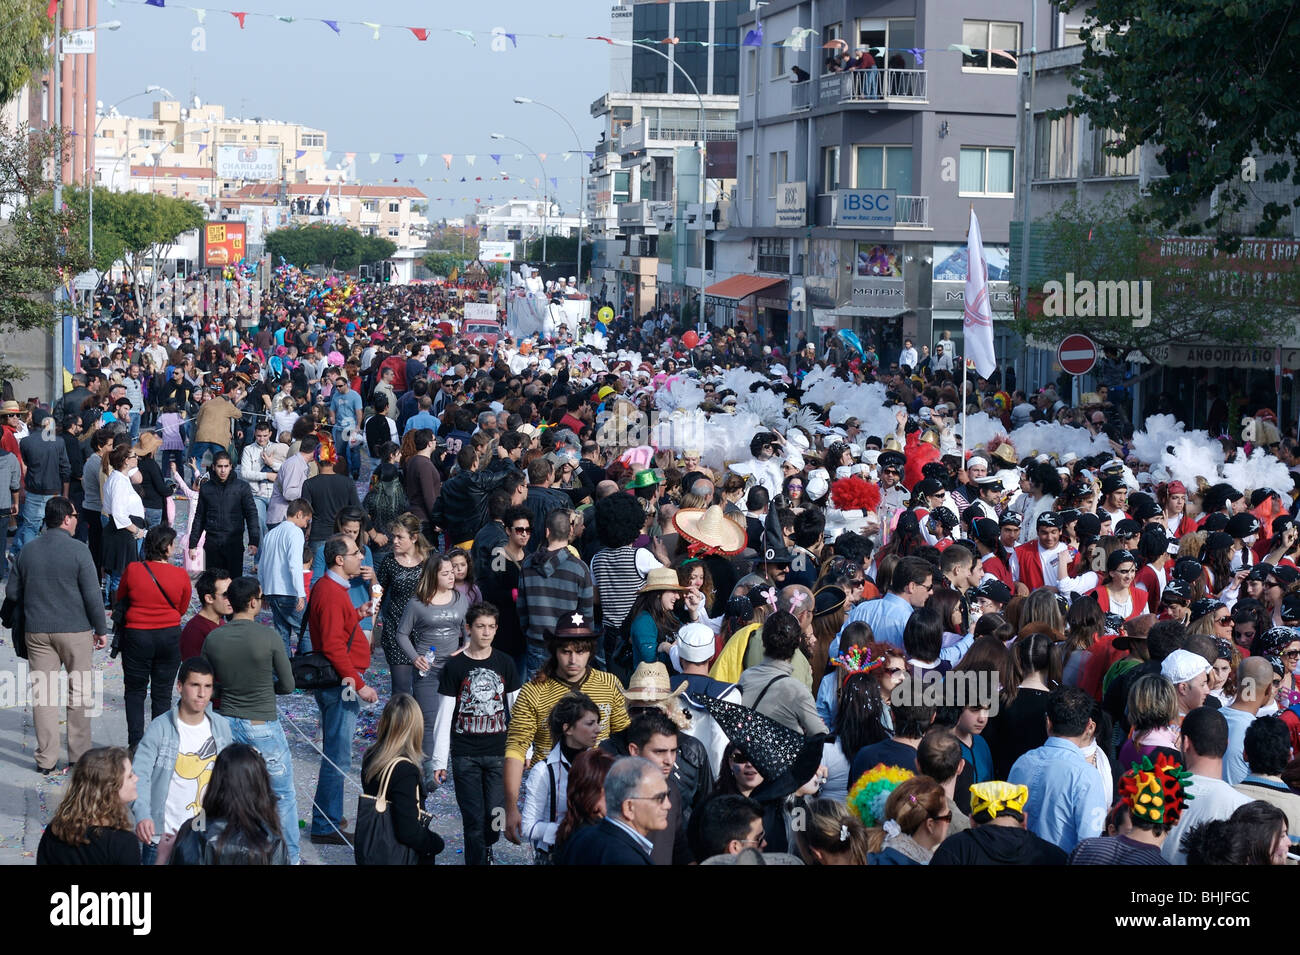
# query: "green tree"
375,249
36,254
442,263
560,250
1209,84
1189,299
333,246
24,31
455,240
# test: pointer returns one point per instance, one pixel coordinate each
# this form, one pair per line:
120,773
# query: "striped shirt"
536,700
619,573
552,584
1116,850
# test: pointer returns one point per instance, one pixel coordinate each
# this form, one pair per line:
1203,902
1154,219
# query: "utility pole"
57,391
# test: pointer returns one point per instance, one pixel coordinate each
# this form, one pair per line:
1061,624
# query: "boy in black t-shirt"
477,686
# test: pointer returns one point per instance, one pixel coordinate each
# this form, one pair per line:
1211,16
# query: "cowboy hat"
571,626
643,479
147,443
662,578
1005,453
711,528
649,683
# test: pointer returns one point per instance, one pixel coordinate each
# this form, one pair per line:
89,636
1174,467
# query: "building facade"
857,175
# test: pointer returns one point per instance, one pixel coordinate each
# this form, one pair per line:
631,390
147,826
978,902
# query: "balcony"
873,86
913,212
369,218
644,214
802,96
653,135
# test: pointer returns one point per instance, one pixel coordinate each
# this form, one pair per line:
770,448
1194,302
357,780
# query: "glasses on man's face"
522,530
659,797
756,843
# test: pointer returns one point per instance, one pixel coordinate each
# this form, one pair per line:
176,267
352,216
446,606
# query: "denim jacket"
155,760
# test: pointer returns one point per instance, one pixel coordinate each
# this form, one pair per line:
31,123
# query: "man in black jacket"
225,508
461,507
637,803
542,498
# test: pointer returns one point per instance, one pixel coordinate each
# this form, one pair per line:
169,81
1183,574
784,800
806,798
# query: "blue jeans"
135,425
154,516
287,619
30,521
537,656
260,503
350,454
267,738
200,447
338,724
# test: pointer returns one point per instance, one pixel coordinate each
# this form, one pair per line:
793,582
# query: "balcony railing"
865,86
801,96
912,211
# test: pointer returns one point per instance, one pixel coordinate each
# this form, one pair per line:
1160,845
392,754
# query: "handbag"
375,840
313,670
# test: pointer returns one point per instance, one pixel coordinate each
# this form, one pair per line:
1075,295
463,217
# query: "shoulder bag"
313,670
375,842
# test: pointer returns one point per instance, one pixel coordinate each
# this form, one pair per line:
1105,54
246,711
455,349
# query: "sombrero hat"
711,529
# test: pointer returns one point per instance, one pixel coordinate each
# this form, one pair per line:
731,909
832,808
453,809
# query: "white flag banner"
977,321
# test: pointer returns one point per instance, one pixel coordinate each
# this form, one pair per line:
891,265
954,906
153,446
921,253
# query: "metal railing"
864,86
912,211
801,95
682,134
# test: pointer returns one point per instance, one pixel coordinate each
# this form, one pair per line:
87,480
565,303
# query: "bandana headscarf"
997,797
1269,645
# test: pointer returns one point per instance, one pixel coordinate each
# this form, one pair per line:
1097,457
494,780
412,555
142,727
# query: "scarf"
906,845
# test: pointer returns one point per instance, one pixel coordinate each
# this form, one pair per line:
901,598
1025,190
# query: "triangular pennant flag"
202,146
671,40
333,25
374,158
513,40
467,34
470,159
155,3
286,19
589,155
201,14
423,157
961,48
519,157
349,158
568,156
542,156
421,33
462,178
798,40
446,158
478,178
919,54
605,38
299,153
239,15
496,158
555,183
373,26
754,37
398,157
1005,53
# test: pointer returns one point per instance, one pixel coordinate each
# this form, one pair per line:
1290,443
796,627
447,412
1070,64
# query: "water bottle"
428,656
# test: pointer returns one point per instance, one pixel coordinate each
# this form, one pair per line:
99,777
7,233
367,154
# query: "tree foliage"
442,263
1210,85
36,254
334,246
1195,296
24,30
560,250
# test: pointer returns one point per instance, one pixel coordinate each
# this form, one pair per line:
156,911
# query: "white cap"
1183,666
695,644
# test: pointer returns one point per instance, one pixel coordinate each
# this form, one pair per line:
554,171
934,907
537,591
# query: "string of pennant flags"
498,37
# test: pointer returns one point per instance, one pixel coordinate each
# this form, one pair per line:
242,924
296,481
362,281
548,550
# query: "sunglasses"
659,797
1222,620
522,530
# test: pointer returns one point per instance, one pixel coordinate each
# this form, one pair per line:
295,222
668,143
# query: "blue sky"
391,95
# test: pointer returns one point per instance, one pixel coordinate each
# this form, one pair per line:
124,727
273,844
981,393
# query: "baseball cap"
1183,666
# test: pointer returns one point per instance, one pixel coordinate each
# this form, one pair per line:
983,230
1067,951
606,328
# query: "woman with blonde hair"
398,743
917,820
92,826
830,834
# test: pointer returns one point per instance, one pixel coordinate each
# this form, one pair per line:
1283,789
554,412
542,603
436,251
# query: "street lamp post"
546,202
582,187
699,146
90,198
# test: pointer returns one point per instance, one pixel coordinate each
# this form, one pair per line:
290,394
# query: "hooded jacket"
997,845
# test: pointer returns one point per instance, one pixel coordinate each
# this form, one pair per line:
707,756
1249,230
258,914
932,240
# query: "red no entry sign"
1077,354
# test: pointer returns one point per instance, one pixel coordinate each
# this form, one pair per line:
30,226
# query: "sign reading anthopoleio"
865,208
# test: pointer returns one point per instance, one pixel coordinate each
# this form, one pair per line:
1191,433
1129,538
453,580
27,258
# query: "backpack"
731,661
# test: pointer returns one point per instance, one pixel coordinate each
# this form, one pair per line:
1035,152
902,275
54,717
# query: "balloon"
606,315
690,339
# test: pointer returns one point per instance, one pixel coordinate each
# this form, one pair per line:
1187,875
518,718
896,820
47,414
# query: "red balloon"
690,339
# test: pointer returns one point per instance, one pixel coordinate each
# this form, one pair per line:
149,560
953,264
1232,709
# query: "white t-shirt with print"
195,756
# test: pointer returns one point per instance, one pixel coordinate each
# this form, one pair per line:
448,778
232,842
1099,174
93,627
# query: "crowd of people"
646,597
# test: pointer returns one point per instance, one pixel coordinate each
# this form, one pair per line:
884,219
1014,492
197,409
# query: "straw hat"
148,443
649,683
711,528
1005,453
10,407
662,578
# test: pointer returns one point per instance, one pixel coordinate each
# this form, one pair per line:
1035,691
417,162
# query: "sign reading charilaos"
792,205
240,162
865,208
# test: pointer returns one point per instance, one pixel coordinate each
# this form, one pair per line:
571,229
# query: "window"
691,27
883,167
830,169
394,231
312,139
829,33
150,135
1053,147
726,54
370,205
749,176
273,140
779,164
395,206
774,255
622,187
993,45
751,72
779,67
985,171
1098,165
649,69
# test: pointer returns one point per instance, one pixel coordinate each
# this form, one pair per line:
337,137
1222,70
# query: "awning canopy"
742,286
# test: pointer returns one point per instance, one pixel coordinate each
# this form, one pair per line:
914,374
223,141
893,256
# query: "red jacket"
993,564
1138,608
332,620
1102,655
147,606
1031,565
398,364
1146,578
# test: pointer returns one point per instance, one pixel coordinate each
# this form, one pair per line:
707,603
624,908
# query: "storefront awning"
742,286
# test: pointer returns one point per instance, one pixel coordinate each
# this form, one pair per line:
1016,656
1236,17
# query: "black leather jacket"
223,510
201,848
461,508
